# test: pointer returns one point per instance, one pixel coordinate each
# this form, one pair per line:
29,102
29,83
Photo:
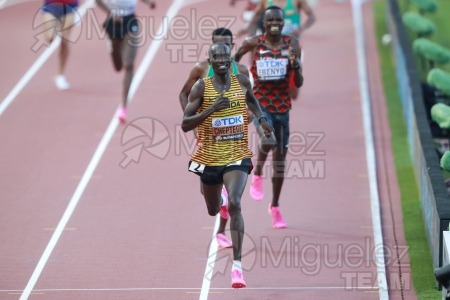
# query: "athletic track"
91,209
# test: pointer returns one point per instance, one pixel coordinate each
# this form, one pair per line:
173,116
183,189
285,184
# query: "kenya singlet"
223,136
271,71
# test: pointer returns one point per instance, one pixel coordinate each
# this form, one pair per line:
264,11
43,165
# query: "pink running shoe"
277,219
224,208
223,241
122,115
256,188
237,280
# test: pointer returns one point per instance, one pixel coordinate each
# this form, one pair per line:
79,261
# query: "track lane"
17,56
122,214
49,137
142,272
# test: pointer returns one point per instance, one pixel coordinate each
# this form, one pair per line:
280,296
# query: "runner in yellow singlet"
203,69
217,107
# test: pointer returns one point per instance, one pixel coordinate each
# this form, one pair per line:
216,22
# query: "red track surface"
142,232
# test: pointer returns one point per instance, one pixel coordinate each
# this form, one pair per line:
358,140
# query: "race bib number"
196,167
271,69
228,128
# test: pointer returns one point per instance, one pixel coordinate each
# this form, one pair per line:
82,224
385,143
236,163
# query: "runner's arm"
195,74
294,62
254,106
244,71
250,98
259,10
247,46
302,5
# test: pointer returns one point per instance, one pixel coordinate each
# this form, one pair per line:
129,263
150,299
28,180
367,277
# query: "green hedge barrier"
440,80
426,6
418,24
431,51
440,113
445,161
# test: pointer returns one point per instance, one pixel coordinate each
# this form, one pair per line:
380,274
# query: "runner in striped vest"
216,106
200,70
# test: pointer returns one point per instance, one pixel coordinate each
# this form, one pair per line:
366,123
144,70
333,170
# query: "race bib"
195,167
228,128
271,69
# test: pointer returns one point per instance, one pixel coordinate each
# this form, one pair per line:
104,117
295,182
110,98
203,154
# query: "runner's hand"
268,130
221,102
250,115
296,33
293,56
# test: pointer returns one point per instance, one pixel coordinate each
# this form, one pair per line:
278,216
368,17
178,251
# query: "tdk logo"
271,63
228,121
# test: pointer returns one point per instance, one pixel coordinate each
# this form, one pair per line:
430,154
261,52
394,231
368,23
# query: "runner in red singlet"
275,59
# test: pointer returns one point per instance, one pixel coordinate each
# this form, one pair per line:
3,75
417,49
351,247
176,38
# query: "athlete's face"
273,21
220,39
220,58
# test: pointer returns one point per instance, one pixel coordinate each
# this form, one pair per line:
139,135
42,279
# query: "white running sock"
224,199
237,265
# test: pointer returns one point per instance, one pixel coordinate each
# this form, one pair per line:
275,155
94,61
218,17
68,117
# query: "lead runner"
217,108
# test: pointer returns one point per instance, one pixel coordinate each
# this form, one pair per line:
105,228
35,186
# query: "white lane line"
370,148
147,60
262,288
29,74
38,64
209,269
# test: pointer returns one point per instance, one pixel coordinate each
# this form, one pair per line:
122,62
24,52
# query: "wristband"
262,117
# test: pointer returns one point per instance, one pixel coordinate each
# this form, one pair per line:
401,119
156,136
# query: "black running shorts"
118,30
213,175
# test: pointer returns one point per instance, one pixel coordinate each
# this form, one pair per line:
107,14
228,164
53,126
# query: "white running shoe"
61,82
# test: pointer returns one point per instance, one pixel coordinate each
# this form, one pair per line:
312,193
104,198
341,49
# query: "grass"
413,223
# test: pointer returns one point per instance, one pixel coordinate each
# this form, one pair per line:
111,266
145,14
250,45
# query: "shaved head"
218,48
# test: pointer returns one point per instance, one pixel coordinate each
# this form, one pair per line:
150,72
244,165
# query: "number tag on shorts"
196,167
235,163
